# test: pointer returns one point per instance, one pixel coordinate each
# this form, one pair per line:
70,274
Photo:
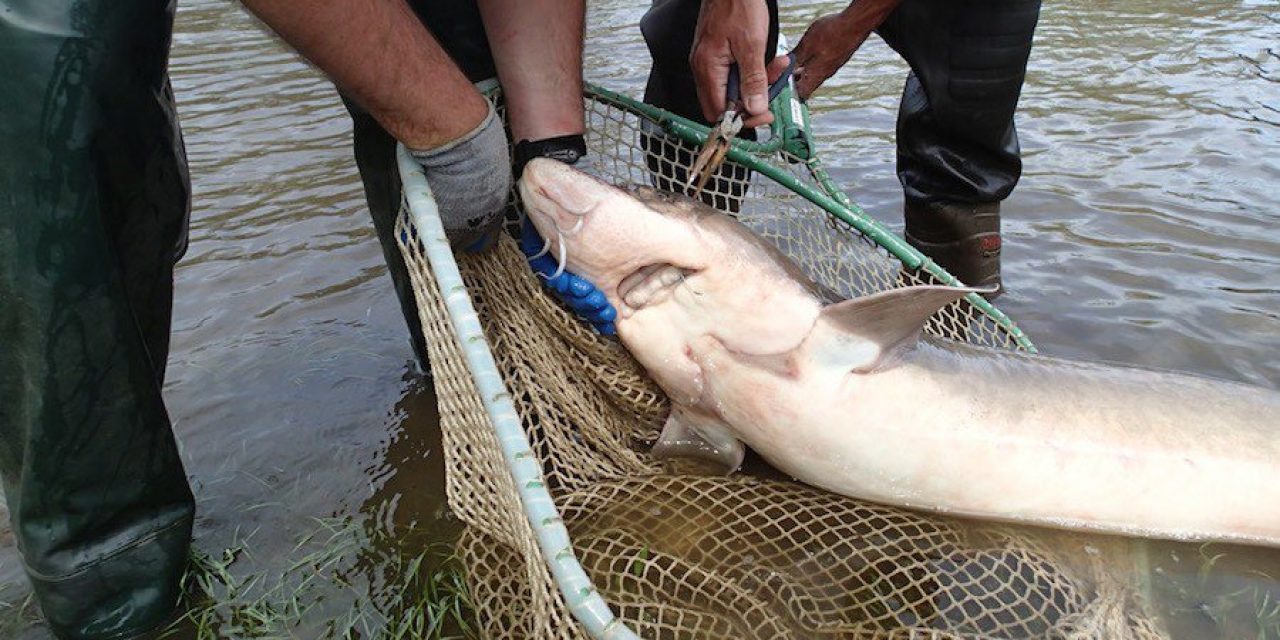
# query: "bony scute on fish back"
851,398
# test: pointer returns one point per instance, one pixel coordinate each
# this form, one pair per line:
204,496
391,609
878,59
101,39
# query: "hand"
732,31
831,40
471,180
822,51
580,295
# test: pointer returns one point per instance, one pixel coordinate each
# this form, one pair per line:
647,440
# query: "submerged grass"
18,614
350,578
1251,611
348,584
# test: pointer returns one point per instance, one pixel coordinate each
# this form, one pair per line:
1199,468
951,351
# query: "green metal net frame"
790,137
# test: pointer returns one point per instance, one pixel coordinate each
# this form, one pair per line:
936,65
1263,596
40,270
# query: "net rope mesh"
681,554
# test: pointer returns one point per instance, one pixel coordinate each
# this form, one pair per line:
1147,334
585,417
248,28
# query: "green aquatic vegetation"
346,583
1250,611
638,564
16,614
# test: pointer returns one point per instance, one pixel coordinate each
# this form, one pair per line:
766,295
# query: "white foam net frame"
676,554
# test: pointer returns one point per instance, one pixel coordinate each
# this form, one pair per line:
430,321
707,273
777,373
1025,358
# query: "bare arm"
537,47
831,40
379,53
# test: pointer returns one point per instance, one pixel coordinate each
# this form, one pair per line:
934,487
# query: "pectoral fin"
692,433
862,334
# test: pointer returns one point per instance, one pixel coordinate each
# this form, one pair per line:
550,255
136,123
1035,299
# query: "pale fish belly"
1032,439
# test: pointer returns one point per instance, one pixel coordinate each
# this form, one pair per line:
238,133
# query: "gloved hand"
580,295
471,180
577,293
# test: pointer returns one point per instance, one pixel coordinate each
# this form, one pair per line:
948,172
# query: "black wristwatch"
567,149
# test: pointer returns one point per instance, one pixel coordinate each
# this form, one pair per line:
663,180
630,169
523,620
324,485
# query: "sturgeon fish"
851,397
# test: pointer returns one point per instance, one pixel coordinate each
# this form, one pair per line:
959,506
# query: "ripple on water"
1143,231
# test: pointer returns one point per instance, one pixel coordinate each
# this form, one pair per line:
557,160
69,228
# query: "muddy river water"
1143,232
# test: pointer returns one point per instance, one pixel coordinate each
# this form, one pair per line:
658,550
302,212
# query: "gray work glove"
471,179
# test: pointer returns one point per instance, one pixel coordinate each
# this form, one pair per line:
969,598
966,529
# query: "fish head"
605,233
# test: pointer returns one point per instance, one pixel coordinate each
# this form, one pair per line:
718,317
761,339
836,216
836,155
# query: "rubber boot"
94,200
964,239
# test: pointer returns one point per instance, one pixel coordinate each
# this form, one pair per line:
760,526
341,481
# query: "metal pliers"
722,134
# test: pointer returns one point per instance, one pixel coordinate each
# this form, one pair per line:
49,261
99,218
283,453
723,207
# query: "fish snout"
560,194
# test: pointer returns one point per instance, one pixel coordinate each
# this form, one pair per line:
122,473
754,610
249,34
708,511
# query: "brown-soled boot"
964,239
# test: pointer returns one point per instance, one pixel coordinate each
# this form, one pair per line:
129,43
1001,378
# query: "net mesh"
680,554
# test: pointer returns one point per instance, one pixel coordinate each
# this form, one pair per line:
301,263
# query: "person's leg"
375,152
958,154
458,27
92,219
668,29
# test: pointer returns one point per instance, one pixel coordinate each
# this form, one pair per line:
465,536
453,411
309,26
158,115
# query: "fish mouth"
651,284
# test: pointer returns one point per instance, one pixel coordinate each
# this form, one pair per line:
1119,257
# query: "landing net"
678,554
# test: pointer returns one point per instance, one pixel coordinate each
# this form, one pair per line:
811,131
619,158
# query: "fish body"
850,397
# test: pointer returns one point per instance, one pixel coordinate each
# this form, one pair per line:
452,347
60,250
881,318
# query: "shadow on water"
1142,232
